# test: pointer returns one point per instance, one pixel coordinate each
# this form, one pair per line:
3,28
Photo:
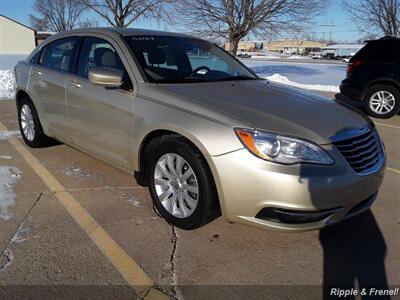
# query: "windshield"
170,59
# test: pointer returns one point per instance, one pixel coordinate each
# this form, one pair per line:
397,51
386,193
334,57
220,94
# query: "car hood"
272,107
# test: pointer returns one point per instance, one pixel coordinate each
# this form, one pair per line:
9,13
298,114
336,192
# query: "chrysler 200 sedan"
200,129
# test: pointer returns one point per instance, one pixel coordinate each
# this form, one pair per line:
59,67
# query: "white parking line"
130,270
387,125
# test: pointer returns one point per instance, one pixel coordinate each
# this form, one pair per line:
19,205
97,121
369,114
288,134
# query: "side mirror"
105,77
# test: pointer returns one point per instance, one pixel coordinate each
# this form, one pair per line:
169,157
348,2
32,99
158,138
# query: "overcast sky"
344,30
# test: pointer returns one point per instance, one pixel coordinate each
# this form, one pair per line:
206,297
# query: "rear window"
59,54
380,51
34,58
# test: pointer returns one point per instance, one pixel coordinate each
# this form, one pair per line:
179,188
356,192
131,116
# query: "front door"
100,118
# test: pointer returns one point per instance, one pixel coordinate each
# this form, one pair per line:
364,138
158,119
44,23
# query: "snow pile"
315,87
7,85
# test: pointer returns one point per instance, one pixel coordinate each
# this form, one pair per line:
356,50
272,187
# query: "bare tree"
88,23
56,15
234,19
122,13
375,16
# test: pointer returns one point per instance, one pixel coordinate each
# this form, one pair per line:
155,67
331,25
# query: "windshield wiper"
196,79
238,77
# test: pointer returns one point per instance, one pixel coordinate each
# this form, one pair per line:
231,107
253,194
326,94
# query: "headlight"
281,149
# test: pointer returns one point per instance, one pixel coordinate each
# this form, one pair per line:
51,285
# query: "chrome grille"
362,149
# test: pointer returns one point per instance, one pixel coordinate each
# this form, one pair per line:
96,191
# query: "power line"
329,26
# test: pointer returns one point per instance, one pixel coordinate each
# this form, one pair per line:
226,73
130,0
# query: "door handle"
74,84
36,72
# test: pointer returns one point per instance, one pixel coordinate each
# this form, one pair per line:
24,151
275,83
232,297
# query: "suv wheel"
181,183
29,124
382,101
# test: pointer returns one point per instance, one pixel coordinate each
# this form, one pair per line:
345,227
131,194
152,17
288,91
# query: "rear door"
47,83
101,118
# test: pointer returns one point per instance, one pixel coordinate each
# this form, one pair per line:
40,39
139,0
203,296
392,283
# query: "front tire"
180,183
29,124
382,101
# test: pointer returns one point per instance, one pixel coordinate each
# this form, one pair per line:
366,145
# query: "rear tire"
382,101
184,207
29,125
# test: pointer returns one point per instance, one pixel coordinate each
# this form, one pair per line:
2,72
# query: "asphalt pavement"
74,227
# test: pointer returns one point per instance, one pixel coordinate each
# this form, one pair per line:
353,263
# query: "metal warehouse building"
15,38
283,46
341,50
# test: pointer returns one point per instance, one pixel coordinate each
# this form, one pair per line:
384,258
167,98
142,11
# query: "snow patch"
7,85
5,157
297,57
4,135
135,201
8,176
314,87
76,172
301,71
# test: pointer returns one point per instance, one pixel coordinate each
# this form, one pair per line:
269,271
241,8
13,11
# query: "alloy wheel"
176,185
382,102
27,122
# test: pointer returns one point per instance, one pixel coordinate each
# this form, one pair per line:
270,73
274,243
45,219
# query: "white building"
341,50
15,38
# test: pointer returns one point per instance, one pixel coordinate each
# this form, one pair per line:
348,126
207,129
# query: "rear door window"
60,54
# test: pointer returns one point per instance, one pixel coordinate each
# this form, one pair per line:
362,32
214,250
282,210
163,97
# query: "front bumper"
247,186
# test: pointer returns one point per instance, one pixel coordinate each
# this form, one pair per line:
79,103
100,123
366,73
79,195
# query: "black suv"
373,78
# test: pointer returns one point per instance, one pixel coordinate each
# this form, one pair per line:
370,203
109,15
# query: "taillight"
352,65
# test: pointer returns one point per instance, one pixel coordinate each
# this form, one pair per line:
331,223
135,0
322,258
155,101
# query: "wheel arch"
21,94
141,159
140,172
382,81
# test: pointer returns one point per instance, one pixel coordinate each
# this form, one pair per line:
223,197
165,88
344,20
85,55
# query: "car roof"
111,32
123,32
383,39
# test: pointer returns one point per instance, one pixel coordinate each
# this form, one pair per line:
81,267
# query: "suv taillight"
352,65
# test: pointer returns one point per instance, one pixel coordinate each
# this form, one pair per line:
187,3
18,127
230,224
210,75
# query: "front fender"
210,137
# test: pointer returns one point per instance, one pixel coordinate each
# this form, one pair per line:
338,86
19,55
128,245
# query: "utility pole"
328,28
